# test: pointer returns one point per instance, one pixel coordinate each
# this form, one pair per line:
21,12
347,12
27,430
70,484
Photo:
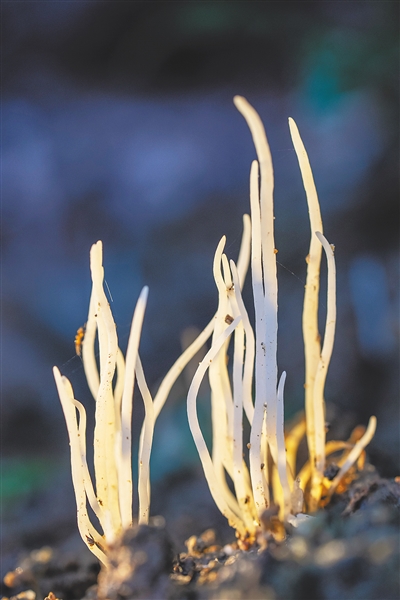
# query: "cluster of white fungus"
268,476
271,477
111,383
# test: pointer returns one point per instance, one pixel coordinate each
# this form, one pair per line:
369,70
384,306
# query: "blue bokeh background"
118,124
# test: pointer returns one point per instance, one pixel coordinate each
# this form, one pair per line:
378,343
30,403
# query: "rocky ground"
350,551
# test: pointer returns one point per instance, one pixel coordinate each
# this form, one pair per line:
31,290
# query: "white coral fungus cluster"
264,475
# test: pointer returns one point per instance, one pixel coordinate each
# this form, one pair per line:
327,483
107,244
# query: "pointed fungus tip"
292,125
239,101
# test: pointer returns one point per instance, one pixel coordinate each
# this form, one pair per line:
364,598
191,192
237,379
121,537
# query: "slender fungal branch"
213,481
125,462
312,345
354,454
321,373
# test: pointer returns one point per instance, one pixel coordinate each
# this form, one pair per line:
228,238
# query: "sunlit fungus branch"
187,355
124,448
266,305
354,454
88,533
312,345
213,480
221,396
320,376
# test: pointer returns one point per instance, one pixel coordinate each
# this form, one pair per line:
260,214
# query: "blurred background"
118,124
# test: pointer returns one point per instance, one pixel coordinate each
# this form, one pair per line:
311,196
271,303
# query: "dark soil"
349,551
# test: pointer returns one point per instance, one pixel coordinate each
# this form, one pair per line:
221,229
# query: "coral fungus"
271,477
267,476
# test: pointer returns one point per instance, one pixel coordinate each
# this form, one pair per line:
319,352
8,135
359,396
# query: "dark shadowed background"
118,124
